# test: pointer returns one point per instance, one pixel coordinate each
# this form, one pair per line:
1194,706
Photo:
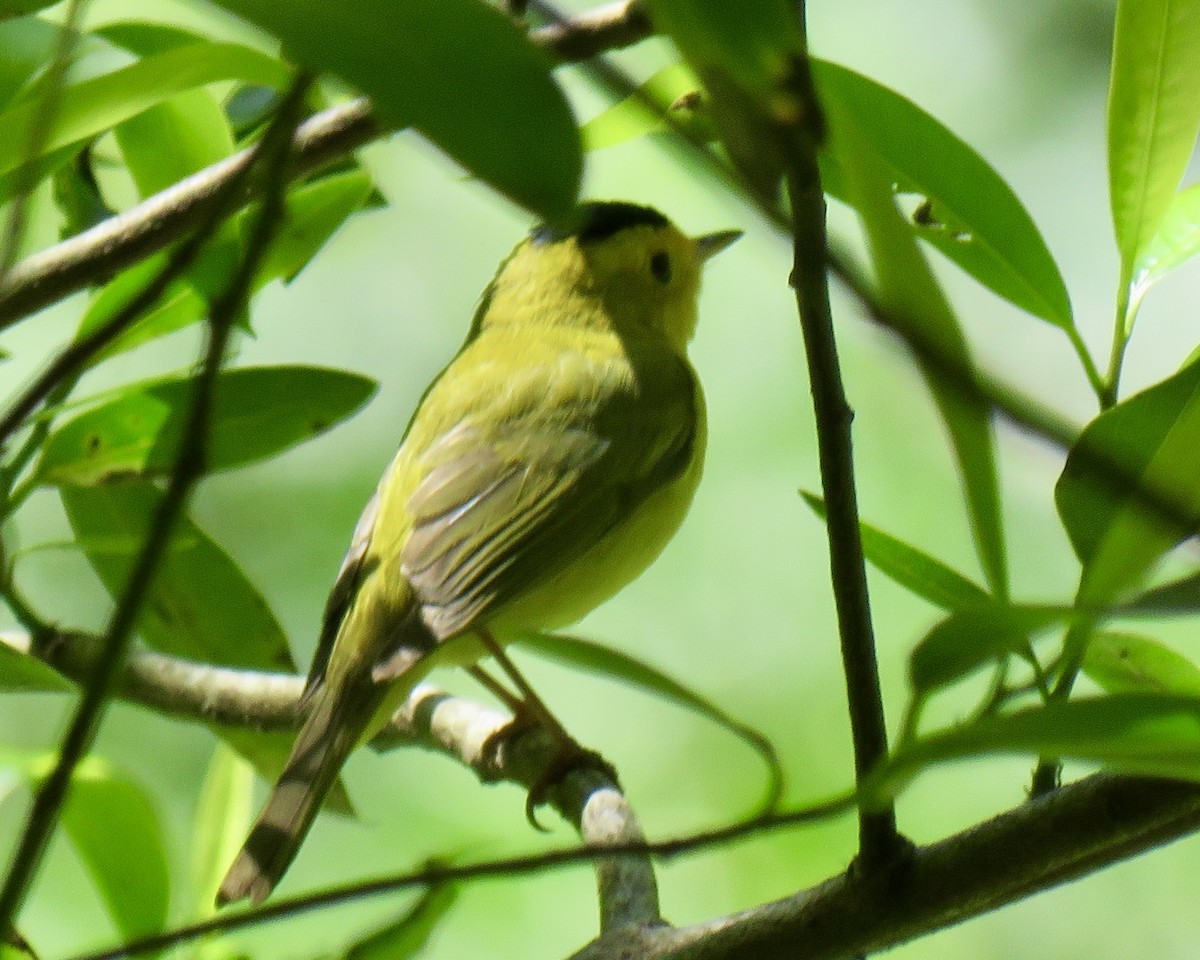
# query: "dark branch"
878,840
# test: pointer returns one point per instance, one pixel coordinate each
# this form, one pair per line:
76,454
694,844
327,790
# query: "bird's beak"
711,244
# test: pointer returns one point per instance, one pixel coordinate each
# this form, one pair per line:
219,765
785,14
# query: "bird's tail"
329,734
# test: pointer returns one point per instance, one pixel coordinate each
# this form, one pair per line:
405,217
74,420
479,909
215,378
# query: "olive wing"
506,503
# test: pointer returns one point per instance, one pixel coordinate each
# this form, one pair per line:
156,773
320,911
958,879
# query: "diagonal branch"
160,220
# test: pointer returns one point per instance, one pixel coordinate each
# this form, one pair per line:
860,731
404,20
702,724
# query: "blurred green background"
739,606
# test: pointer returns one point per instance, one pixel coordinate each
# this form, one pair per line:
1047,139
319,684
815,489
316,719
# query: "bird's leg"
568,755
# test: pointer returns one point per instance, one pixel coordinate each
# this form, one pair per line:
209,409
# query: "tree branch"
468,732
56,272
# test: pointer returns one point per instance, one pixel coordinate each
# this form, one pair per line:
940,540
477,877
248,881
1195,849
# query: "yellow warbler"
544,469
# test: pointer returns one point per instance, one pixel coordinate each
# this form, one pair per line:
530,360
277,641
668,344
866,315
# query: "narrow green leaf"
969,638
223,816
145,38
912,297
913,569
1131,663
314,212
1136,733
20,671
115,830
257,413
200,605
1178,596
972,216
642,113
92,106
1130,489
407,936
1153,116
26,46
174,139
1176,241
459,71
597,659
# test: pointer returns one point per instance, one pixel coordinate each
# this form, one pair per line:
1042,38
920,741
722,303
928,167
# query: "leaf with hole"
257,413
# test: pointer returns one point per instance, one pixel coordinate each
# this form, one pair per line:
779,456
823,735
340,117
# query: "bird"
544,469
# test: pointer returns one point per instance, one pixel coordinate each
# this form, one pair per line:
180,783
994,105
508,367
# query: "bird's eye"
660,266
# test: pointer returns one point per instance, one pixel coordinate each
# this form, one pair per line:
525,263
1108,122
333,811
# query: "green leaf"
972,216
257,413
642,113
1176,241
1130,489
174,139
914,301
92,106
599,660
1131,663
145,38
314,211
913,569
200,606
26,46
969,638
21,671
115,830
407,936
1153,118
1136,733
459,71
223,816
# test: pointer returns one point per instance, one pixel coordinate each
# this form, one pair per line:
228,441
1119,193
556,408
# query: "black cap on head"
599,219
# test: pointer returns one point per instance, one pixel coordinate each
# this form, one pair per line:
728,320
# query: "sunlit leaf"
115,829
223,815
1153,117
642,113
970,214
92,106
913,569
1176,241
257,413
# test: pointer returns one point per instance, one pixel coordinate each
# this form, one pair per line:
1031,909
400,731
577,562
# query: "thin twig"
878,839
189,465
